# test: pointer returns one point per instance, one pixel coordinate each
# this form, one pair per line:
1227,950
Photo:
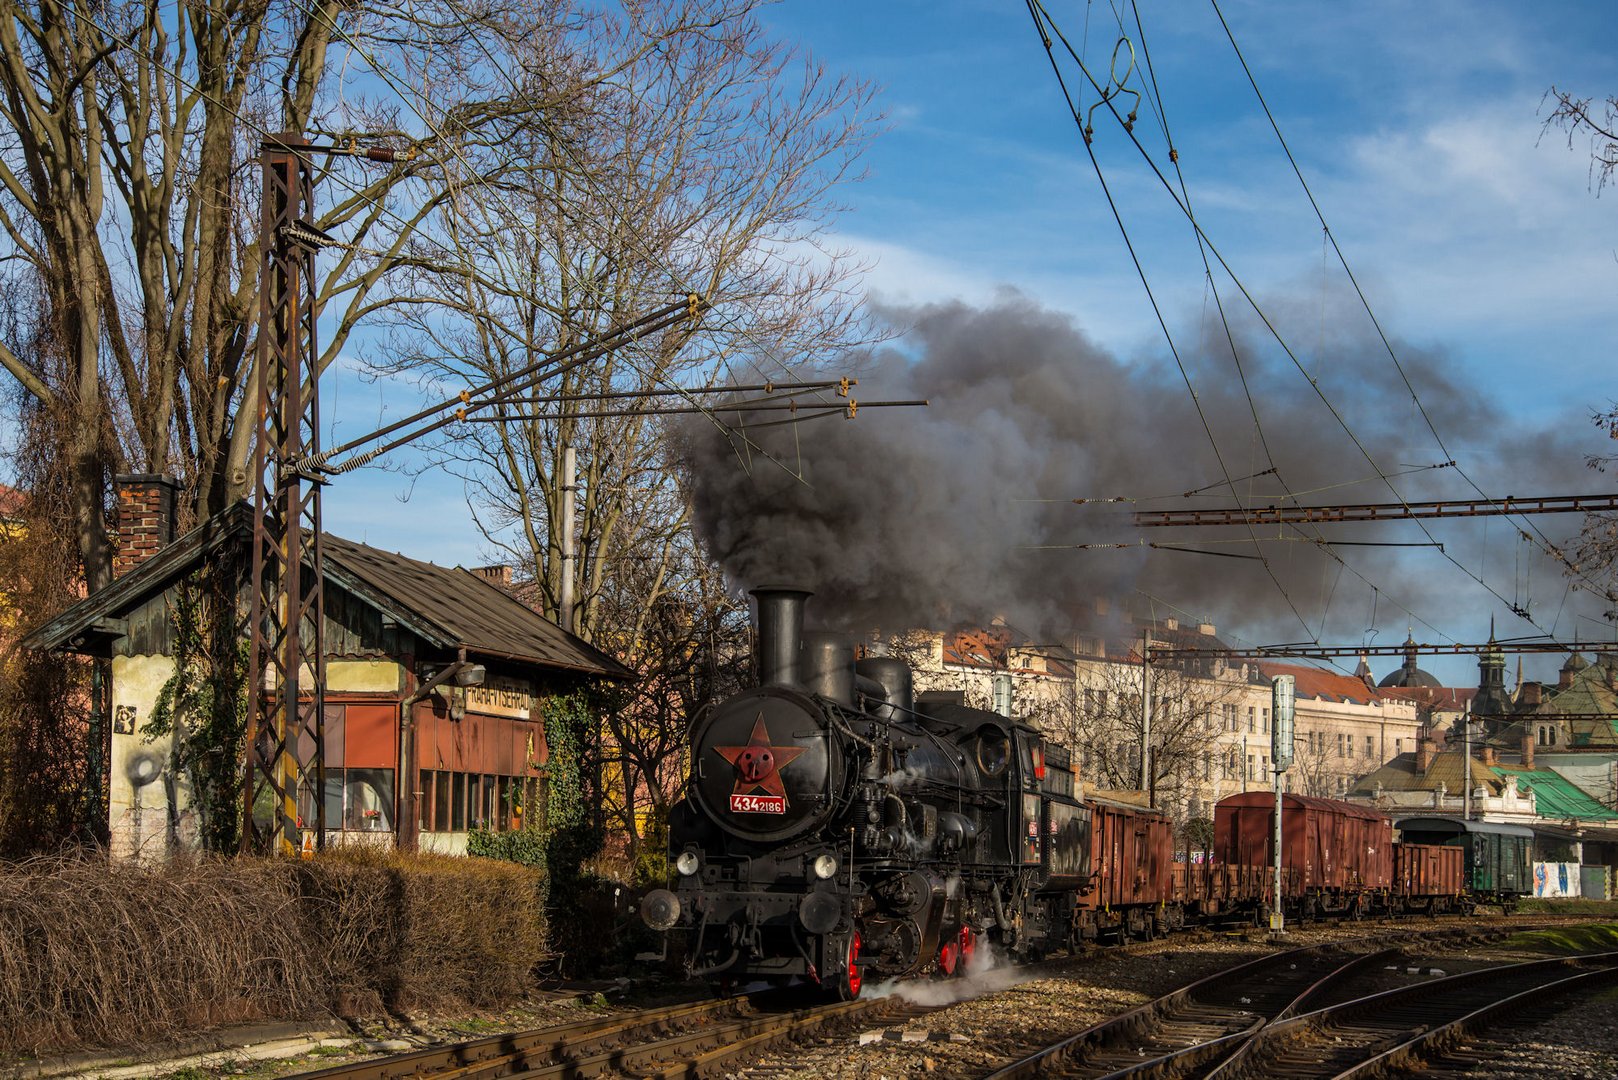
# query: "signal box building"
402,768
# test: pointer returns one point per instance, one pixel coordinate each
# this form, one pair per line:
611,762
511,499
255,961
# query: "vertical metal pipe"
780,633
1146,784
1277,916
565,601
1466,764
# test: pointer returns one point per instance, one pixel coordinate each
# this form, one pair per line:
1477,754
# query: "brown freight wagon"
1131,868
1226,892
1427,877
1342,853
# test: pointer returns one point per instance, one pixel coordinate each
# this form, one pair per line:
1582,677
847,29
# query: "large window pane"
368,797
441,800
334,799
424,800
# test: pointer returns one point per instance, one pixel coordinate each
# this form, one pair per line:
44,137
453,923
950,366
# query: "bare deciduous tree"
691,644
1583,118
1104,724
710,166
129,134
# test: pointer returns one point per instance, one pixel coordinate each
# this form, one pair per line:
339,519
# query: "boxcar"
1498,856
1427,878
1131,870
1342,854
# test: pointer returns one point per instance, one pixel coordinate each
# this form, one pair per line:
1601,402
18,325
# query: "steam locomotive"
836,827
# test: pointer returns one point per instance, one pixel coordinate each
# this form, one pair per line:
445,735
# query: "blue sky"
1475,234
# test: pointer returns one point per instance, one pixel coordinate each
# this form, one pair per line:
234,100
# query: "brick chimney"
1425,749
1488,756
1527,749
145,518
1532,694
498,576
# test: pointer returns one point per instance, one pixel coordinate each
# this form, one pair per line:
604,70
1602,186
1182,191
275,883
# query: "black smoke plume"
964,510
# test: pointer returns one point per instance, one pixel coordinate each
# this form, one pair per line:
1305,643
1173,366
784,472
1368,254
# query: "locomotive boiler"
835,829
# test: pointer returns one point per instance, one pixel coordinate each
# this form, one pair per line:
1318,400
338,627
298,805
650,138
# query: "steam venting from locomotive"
965,510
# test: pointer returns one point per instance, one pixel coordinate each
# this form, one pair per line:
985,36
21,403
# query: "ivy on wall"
203,705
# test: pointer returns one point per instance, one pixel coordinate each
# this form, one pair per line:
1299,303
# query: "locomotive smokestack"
780,633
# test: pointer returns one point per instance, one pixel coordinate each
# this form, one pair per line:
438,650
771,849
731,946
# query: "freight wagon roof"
1259,800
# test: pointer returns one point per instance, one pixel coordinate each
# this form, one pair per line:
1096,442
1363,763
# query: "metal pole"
1466,764
1146,715
286,717
570,471
1283,695
1277,916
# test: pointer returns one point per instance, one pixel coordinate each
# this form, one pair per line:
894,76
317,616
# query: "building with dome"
1409,676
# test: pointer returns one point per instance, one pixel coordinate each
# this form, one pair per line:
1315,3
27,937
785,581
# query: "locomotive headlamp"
687,864
825,866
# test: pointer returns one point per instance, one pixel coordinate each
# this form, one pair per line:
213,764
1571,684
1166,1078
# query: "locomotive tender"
836,828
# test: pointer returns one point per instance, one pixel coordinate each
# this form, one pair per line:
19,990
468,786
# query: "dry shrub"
98,953
409,930
94,953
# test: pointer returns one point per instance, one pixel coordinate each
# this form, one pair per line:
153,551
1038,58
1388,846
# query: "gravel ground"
1007,1015
1580,1043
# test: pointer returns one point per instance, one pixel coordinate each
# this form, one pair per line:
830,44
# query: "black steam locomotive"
835,829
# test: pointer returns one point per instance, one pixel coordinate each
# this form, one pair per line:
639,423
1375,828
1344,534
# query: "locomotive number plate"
758,804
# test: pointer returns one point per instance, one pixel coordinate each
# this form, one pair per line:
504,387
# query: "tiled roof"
1555,796
1401,774
1005,648
1322,685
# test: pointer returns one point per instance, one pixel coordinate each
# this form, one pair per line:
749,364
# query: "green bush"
525,847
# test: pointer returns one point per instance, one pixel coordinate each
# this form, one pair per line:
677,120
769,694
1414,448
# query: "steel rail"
1137,1023
1225,1050
1446,1033
1381,1024
502,1054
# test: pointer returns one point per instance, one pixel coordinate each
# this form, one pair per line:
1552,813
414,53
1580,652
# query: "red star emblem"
758,764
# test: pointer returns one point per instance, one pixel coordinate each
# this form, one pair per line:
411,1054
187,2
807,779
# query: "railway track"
1387,1032
709,1037
1270,1018
694,1039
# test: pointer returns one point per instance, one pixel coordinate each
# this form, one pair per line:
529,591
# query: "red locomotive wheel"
849,985
947,957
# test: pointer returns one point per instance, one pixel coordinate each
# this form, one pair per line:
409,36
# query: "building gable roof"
1401,774
1322,685
449,607
1555,796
